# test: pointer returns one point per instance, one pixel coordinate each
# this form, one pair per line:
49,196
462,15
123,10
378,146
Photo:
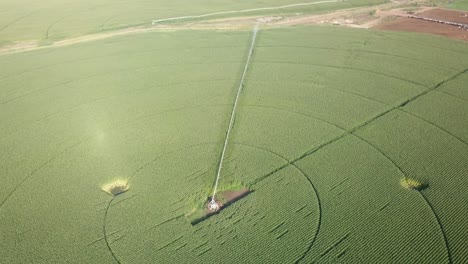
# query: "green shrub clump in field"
412,184
116,187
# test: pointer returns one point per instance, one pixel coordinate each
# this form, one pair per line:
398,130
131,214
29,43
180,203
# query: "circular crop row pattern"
329,122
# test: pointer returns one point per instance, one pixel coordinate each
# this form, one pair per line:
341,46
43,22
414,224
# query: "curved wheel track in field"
72,146
295,112
434,125
169,153
47,33
439,224
261,148
15,20
449,253
109,204
33,69
107,73
440,227
452,95
132,177
292,81
46,36
357,51
288,163
363,124
211,143
450,78
420,43
58,113
344,68
104,231
103,24
36,170
319,216
351,131
314,189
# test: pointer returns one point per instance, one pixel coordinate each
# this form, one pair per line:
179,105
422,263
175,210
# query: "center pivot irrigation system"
213,205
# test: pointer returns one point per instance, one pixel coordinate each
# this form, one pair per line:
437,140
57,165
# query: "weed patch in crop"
116,187
413,184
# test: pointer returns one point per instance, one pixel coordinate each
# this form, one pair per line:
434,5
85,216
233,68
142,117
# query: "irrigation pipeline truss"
459,25
244,11
233,112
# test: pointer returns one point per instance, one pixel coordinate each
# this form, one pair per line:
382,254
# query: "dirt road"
362,17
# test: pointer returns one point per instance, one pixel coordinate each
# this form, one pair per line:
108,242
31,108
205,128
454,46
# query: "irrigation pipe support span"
213,203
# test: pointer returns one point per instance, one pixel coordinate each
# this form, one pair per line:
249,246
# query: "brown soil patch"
417,25
449,15
223,200
232,196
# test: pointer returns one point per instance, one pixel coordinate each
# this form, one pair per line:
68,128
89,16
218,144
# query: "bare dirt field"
417,25
449,15
232,196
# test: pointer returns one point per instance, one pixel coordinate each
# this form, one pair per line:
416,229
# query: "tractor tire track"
434,125
343,68
63,111
297,113
107,56
104,231
314,189
422,43
89,77
358,51
36,170
292,81
359,126
376,117
169,153
93,76
452,95
439,223
46,36
261,148
433,87
444,235
74,145
103,24
16,20
319,223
